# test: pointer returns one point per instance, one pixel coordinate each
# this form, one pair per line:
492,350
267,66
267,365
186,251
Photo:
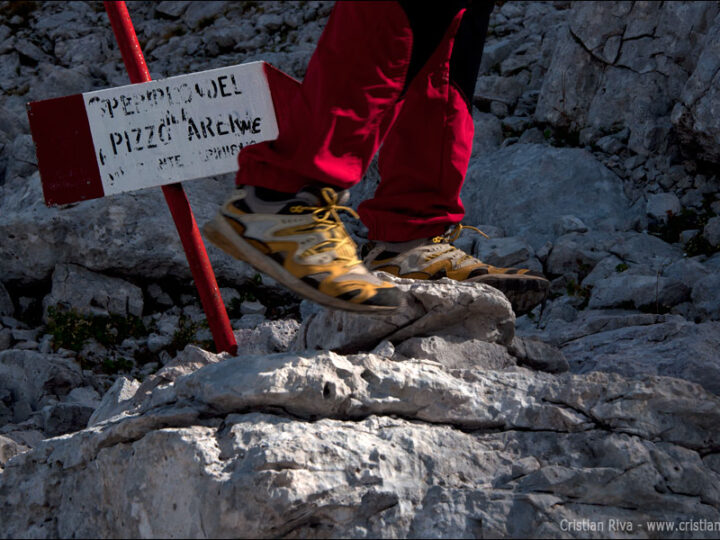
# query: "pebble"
252,308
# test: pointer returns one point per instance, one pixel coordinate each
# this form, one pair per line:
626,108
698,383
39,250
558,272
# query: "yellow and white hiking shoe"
435,258
300,241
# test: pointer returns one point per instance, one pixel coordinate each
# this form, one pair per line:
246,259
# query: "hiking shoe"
436,258
300,241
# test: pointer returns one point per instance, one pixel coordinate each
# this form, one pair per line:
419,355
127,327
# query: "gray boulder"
642,292
711,232
127,395
130,234
456,353
267,337
503,252
706,296
60,418
9,449
394,449
626,64
634,344
488,133
580,252
114,400
90,293
662,205
687,270
525,188
447,307
535,354
675,348
27,378
7,307
695,115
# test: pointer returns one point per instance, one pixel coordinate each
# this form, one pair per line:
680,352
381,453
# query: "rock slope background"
595,160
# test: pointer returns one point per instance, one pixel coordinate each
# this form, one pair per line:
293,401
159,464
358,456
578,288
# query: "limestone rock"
127,395
626,64
580,252
8,449
711,232
452,308
688,271
84,395
634,344
456,353
694,115
114,400
642,292
662,205
6,304
706,295
27,377
523,188
394,449
676,348
60,418
535,354
6,339
171,9
503,252
488,133
267,337
132,234
197,12
89,293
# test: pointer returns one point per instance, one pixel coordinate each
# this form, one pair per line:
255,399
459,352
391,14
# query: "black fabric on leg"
430,20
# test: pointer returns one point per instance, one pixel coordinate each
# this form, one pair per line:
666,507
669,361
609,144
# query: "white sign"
177,129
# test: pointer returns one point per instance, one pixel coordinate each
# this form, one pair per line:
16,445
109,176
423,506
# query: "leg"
349,96
425,156
344,106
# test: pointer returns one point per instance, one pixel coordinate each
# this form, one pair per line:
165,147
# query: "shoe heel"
212,232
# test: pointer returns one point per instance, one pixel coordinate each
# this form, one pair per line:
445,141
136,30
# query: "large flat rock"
695,115
322,445
627,64
445,306
637,344
526,189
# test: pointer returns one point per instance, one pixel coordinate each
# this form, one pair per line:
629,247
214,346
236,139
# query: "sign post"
159,133
175,195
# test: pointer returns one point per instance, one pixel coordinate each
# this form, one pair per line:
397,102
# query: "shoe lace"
449,237
327,218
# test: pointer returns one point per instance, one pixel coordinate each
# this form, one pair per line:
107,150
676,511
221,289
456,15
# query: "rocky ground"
595,161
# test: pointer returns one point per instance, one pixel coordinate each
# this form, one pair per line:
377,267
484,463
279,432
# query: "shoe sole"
221,235
524,293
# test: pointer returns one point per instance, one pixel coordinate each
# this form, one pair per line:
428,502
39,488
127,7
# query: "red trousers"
396,74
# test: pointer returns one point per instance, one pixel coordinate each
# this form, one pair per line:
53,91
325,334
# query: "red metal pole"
175,196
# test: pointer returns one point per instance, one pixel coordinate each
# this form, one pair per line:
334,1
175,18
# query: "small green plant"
178,30
71,330
687,219
574,289
584,268
185,335
698,245
111,365
279,304
621,267
547,133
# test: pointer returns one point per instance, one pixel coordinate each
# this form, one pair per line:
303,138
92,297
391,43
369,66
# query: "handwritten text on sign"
177,129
